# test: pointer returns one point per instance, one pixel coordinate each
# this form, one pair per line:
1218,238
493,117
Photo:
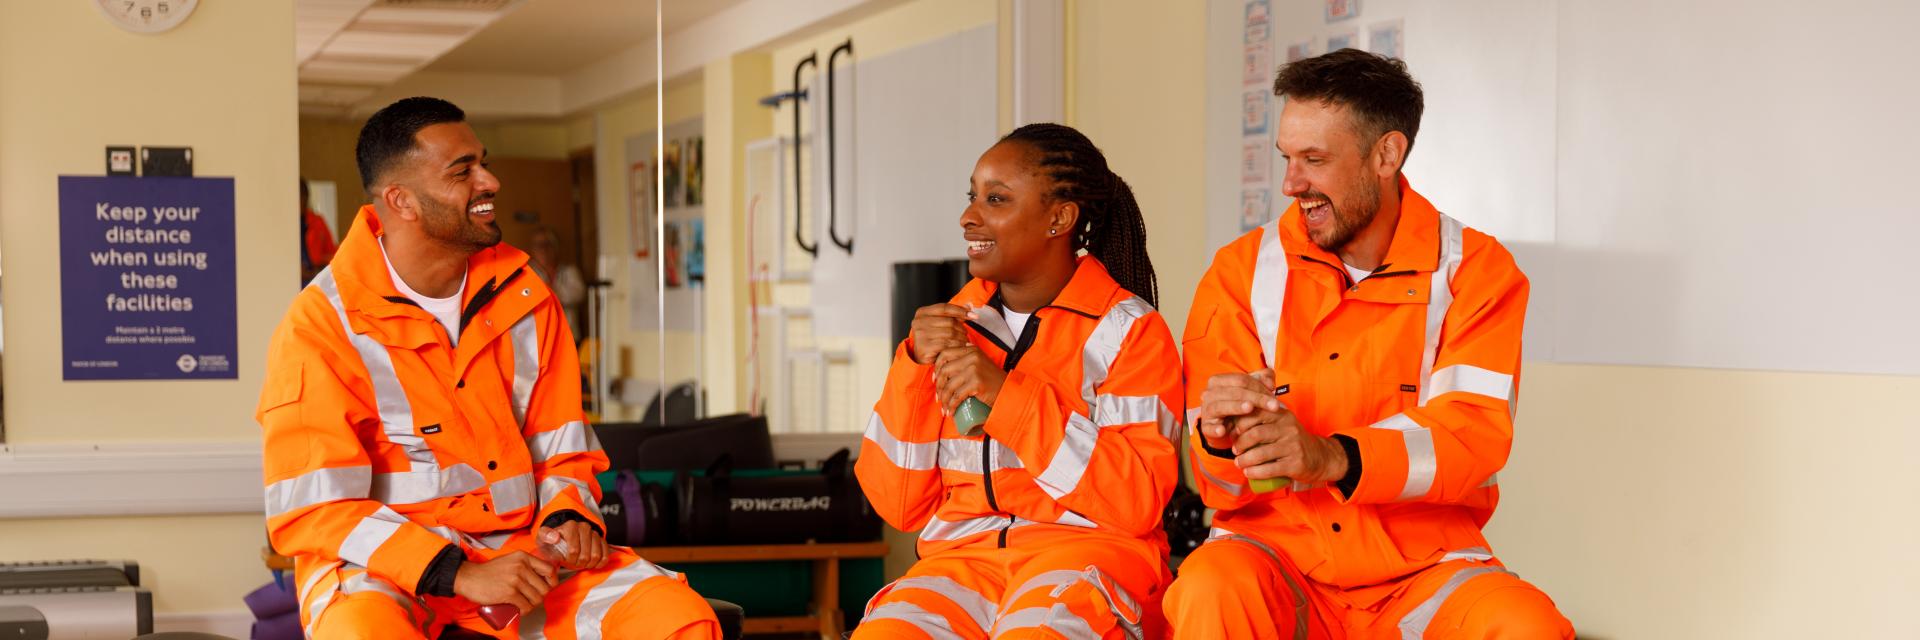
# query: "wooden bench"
826,617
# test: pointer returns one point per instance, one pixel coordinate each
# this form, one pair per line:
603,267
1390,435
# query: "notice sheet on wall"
147,278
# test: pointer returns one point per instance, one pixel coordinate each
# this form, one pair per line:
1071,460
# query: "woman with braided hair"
1043,521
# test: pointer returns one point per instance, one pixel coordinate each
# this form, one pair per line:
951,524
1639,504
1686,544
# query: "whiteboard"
1704,184
924,115
1732,181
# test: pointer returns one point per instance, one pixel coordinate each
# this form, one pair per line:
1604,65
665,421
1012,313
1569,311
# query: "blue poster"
147,278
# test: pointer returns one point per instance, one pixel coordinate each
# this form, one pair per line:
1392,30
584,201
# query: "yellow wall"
534,139
1696,503
71,84
326,154
1138,92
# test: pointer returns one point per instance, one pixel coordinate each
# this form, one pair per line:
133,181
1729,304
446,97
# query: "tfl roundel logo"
187,363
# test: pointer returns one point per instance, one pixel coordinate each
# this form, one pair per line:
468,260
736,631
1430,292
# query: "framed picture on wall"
1349,39
1387,39
672,256
671,163
641,199
695,150
697,251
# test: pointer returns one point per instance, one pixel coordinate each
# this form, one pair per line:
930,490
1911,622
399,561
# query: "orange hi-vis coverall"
1416,367
386,445
1048,524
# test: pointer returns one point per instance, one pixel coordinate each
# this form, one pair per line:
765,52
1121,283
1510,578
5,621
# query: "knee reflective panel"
1060,617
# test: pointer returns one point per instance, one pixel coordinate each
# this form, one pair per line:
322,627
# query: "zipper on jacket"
486,294
986,441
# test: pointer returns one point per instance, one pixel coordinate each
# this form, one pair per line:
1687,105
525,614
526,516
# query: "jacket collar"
360,268
1091,291
1416,238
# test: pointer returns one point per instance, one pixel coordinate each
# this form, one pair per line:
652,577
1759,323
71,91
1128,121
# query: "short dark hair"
1378,91
389,134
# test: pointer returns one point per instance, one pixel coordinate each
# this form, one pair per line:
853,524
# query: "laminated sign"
147,278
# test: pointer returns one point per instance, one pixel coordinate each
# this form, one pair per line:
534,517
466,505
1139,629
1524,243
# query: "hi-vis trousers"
627,598
1083,588
1236,586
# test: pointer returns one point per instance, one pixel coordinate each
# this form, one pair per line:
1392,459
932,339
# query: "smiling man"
426,453
1352,370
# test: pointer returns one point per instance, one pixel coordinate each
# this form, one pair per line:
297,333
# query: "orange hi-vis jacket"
1079,442
1419,363
384,443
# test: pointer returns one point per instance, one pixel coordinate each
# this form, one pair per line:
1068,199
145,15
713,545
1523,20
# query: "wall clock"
146,16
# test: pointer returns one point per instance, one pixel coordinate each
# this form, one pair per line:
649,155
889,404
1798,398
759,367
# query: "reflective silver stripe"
1422,465
977,606
307,589
1071,458
1053,578
1471,379
1057,618
588,622
570,438
1268,295
553,486
1476,554
1414,626
313,613
1439,298
1103,344
512,494
412,487
396,414
448,533
366,537
1492,480
1116,411
1232,488
525,336
365,581
318,486
940,530
407,487
911,456
963,455
1171,426
925,621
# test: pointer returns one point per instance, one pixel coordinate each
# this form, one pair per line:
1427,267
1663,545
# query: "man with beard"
1352,370
426,454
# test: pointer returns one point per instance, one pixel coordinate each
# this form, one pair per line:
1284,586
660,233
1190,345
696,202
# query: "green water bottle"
1268,485
971,414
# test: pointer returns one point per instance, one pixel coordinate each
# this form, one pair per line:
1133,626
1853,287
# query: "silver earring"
1053,231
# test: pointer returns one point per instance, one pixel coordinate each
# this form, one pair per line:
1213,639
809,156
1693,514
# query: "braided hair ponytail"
1110,228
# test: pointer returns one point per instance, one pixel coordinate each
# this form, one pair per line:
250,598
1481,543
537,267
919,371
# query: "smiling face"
455,191
1331,172
1009,213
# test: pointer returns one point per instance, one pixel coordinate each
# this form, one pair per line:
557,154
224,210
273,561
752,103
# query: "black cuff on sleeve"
1348,483
1217,453
568,515
437,580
